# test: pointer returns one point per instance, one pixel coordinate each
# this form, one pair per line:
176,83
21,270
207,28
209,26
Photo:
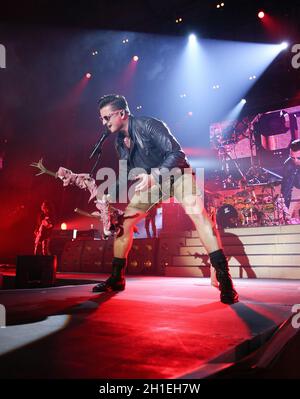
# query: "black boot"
219,262
116,282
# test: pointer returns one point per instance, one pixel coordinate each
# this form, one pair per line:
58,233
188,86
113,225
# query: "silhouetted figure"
291,174
150,219
44,229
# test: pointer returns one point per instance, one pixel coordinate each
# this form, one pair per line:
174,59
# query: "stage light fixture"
190,113
243,101
63,226
135,58
88,75
284,45
261,15
192,38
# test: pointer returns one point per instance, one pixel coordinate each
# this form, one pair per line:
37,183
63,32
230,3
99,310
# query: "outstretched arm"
39,165
81,180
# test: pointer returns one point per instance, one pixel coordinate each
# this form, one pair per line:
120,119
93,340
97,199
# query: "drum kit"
247,208
246,198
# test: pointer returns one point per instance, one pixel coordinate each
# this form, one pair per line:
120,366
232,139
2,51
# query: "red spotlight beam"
274,27
126,78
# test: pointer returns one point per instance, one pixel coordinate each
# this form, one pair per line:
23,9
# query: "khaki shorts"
184,186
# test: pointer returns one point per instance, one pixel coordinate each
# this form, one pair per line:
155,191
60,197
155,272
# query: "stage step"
253,260
265,230
244,240
259,249
258,252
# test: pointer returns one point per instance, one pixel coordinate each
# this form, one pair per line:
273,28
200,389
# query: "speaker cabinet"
91,234
168,247
92,256
142,257
57,245
71,257
34,271
95,256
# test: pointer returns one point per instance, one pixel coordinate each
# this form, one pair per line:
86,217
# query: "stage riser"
253,260
262,239
237,272
265,252
264,249
271,252
95,256
250,231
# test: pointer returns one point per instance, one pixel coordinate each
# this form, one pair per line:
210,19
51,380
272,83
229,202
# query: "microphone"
99,143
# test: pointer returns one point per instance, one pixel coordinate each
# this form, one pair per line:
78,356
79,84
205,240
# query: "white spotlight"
192,38
243,101
284,45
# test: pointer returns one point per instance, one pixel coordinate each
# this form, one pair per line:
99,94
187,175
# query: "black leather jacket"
152,146
291,178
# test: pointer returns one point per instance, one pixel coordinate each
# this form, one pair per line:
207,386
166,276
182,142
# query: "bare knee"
193,206
131,217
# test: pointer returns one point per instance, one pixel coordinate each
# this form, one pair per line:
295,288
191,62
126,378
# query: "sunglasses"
107,118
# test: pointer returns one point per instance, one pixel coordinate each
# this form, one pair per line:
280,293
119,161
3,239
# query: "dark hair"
295,145
115,100
51,209
49,205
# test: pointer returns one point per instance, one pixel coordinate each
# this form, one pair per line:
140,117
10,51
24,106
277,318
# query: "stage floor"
159,327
